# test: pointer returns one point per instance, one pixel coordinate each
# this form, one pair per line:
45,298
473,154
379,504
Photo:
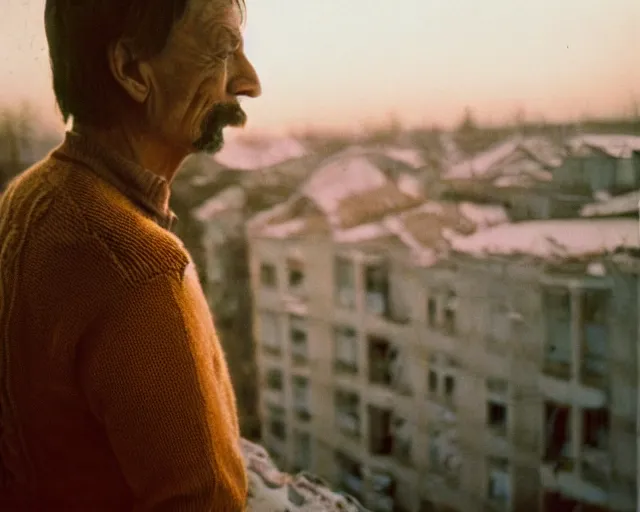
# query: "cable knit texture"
114,391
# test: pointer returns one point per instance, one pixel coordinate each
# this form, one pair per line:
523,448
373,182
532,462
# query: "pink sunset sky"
340,63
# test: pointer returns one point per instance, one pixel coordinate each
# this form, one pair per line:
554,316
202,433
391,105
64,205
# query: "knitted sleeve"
153,374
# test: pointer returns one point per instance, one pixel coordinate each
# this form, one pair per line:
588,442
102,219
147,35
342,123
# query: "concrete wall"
499,336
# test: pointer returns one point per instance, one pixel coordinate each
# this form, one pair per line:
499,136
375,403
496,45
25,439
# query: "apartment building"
431,355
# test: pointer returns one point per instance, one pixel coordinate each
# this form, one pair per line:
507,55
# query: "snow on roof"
284,229
530,156
409,185
616,146
409,156
361,233
551,238
342,178
484,215
482,163
250,156
230,198
261,219
618,205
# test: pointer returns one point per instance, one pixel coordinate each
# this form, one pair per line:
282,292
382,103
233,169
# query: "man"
114,392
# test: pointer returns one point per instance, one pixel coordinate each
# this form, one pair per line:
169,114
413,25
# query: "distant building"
430,355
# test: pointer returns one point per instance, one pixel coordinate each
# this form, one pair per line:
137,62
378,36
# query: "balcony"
348,423
571,392
564,476
596,467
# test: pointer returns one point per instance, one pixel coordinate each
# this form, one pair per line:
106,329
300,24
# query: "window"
450,308
346,349
295,271
402,440
377,289
350,475
557,314
595,428
499,485
269,332
449,387
268,275
380,438
345,283
274,379
301,397
595,332
302,451
298,335
433,382
497,417
379,361
432,312
277,427
347,408
558,432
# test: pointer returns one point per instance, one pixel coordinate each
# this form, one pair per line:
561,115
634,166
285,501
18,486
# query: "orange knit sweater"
114,391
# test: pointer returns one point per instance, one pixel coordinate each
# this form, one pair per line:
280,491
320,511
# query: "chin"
210,144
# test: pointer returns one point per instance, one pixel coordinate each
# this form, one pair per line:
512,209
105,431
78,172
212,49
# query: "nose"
245,81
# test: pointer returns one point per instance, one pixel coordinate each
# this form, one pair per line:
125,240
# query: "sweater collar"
148,191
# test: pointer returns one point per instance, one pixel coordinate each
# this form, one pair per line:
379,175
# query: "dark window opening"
295,270
497,417
274,380
380,434
433,382
380,352
268,275
432,312
377,289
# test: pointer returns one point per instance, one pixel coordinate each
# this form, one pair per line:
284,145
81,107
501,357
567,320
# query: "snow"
484,215
409,185
250,156
616,146
408,156
230,198
482,163
342,178
284,229
264,217
549,238
360,233
617,205
514,157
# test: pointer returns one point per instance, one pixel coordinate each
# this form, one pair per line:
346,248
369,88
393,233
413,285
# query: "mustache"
221,115
224,114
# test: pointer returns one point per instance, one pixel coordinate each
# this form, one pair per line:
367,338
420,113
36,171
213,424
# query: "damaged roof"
551,239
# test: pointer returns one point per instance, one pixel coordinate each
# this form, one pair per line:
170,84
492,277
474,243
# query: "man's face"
198,77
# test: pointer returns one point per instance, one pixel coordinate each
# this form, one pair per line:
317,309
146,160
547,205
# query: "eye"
226,55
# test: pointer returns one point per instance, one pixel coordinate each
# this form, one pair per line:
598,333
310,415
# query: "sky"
343,64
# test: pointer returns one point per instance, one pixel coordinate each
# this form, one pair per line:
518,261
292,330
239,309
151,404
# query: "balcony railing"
272,349
596,466
340,366
348,423
557,369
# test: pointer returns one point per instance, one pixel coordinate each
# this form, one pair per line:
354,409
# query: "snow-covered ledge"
273,491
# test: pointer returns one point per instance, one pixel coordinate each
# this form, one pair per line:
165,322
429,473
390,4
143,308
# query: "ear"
132,73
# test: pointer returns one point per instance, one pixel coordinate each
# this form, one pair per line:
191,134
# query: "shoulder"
94,223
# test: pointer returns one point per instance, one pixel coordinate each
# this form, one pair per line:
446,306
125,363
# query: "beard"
220,116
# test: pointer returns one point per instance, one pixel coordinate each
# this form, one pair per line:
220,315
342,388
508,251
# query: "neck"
137,145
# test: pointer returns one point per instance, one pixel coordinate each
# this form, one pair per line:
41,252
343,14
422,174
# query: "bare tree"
17,134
